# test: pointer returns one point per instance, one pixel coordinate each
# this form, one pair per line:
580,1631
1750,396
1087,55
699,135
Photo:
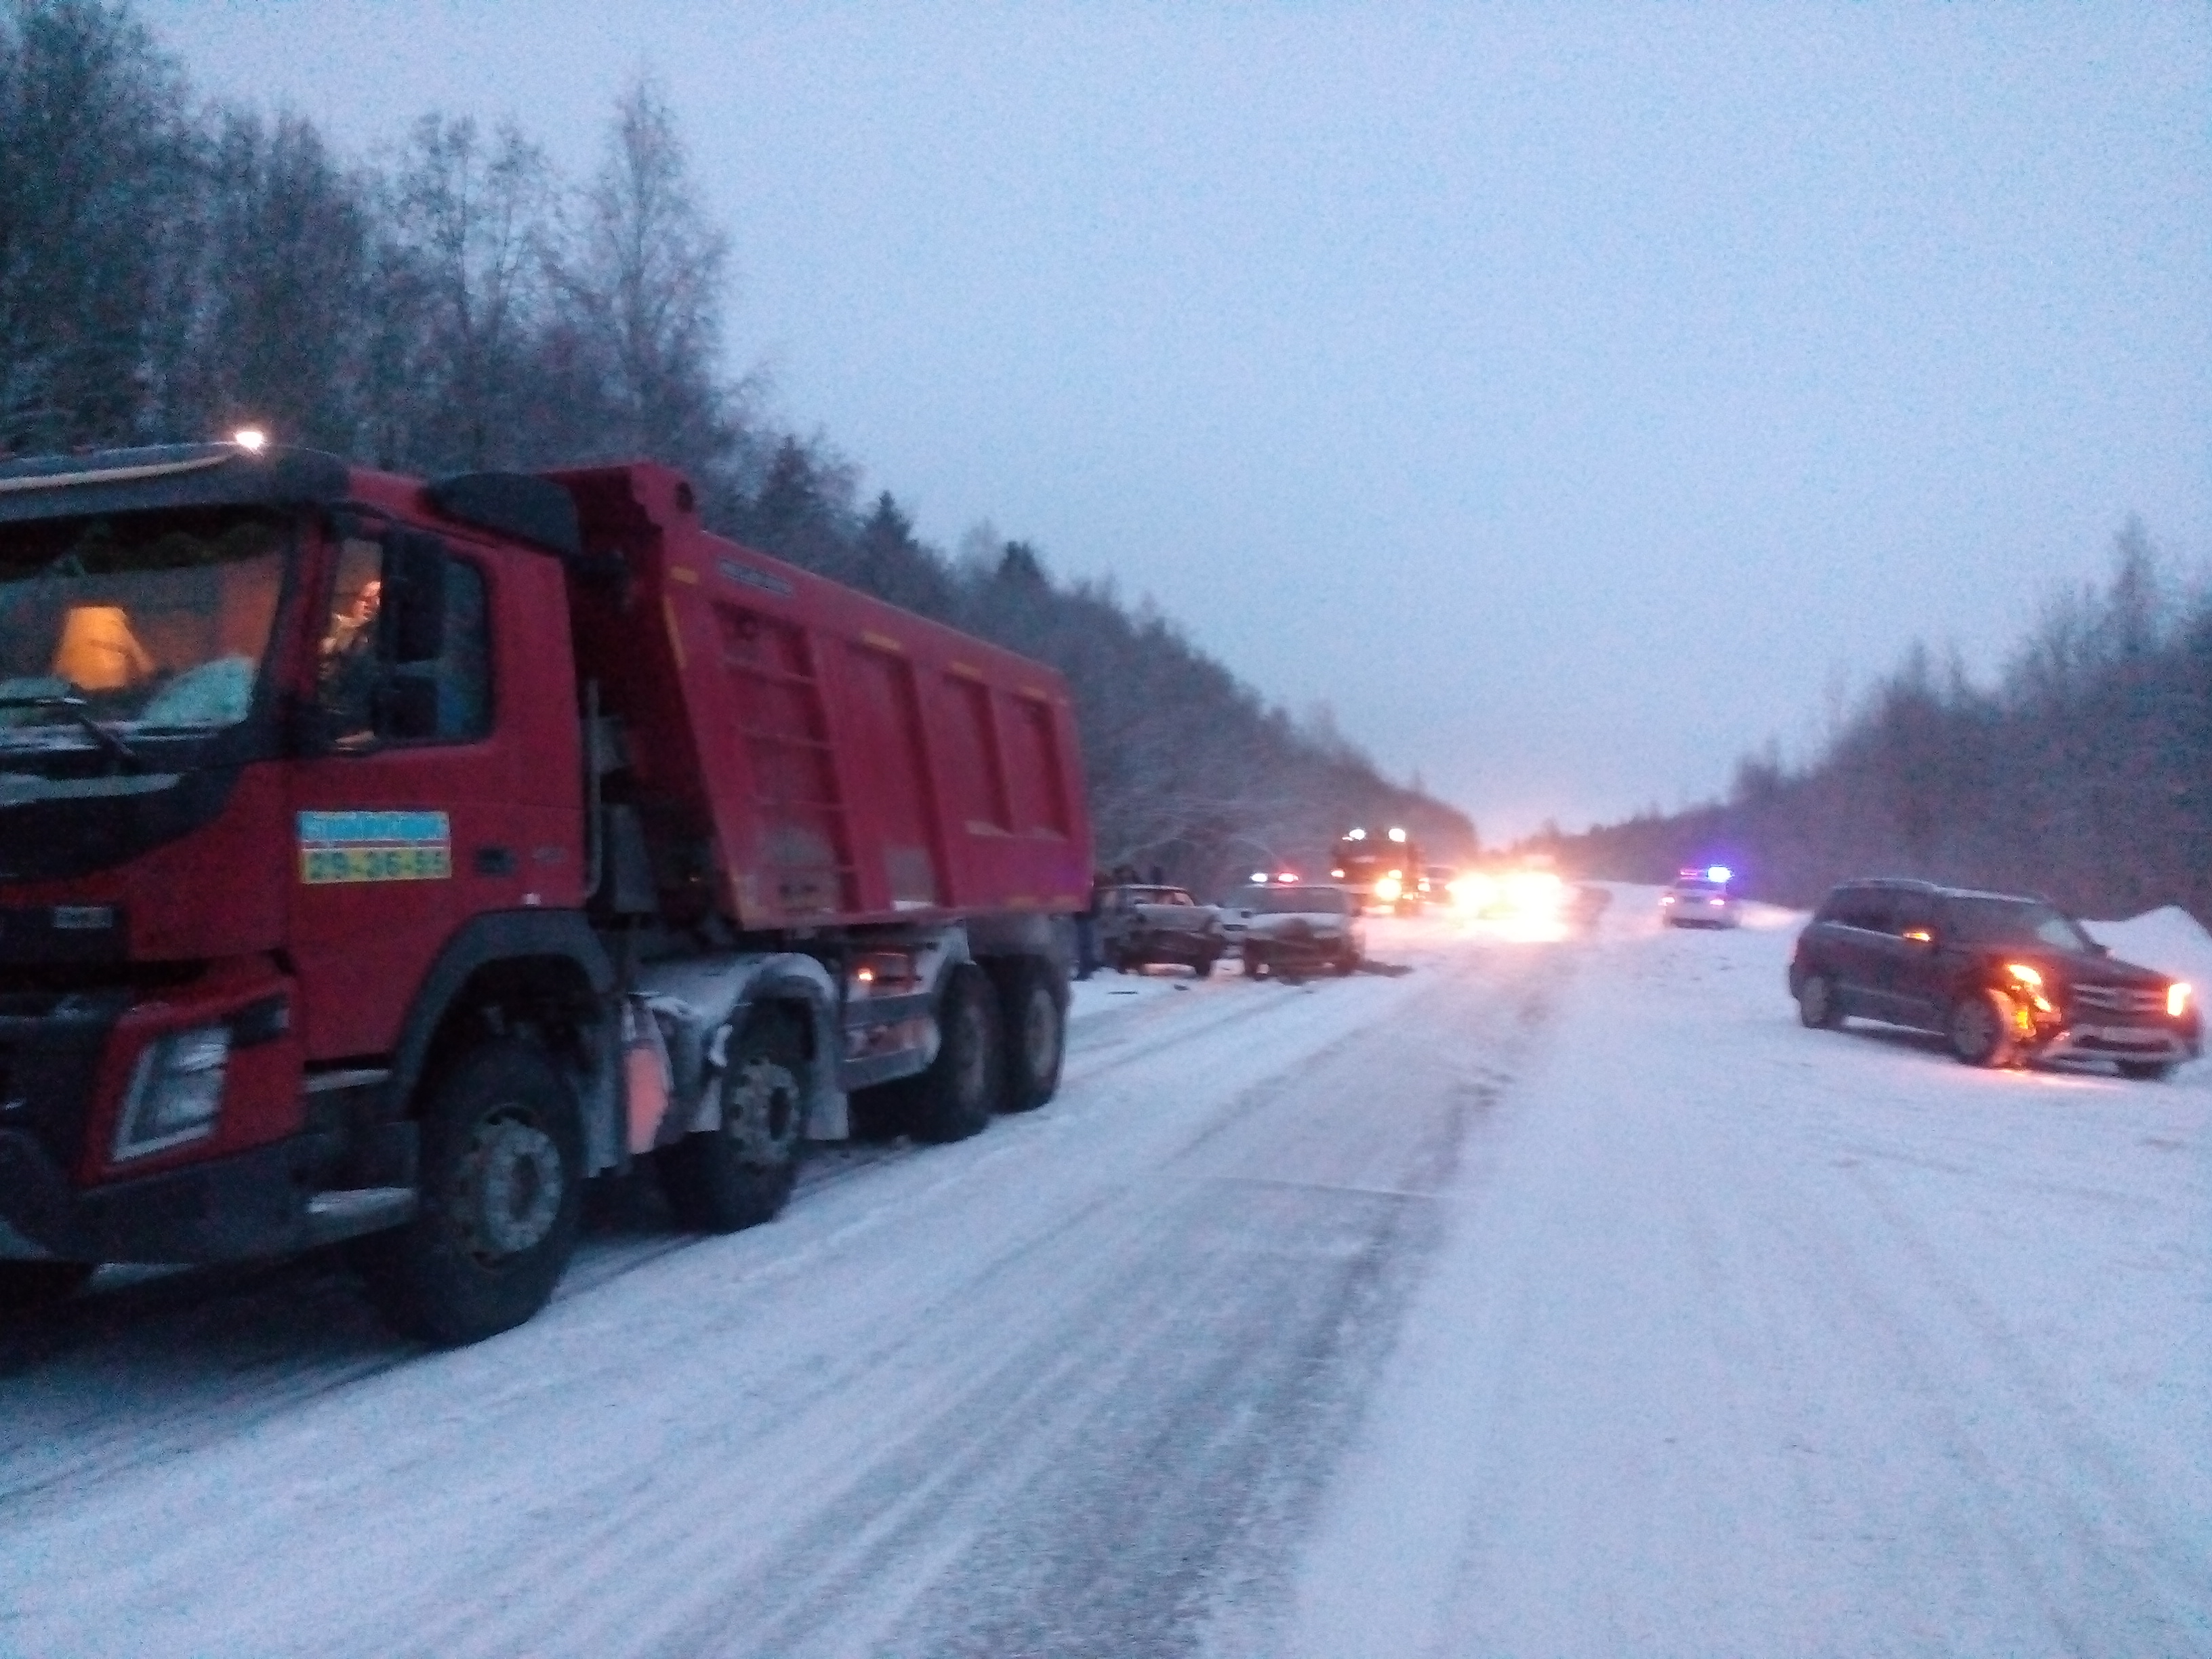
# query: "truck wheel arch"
495,957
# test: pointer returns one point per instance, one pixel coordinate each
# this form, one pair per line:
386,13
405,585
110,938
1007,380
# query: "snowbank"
2169,940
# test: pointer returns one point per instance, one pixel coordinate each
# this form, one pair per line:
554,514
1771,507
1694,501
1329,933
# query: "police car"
1701,898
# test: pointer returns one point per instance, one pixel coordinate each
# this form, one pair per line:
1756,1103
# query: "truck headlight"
1388,888
176,1092
2177,998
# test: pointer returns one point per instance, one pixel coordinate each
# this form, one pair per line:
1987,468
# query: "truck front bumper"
253,1203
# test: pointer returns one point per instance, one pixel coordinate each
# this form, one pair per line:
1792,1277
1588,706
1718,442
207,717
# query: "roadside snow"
1759,1341
1562,1298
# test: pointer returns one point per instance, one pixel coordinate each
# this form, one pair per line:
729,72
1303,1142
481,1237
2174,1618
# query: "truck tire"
2147,1071
1256,963
1203,966
724,1180
25,1286
957,1096
1033,1018
1980,1028
502,1179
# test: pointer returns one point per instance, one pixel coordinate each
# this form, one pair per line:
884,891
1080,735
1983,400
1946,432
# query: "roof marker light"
1397,835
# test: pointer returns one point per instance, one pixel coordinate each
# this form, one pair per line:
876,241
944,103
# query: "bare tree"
645,274
470,221
277,337
96,169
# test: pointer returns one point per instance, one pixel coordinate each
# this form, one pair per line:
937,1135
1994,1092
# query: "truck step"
345,1214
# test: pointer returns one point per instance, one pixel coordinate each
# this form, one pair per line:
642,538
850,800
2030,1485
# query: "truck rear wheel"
957,1096
1033,1019
740,1175
28,1285
502,1162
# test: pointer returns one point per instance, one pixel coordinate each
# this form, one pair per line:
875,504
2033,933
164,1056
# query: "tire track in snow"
180,1359
1117,1325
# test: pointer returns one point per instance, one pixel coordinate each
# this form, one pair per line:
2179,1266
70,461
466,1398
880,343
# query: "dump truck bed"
819,757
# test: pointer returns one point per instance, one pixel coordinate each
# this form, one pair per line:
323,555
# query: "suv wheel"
1980,1028
1817,1006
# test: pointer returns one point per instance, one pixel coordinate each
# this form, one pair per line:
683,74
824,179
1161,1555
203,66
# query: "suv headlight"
176,1092
2177,998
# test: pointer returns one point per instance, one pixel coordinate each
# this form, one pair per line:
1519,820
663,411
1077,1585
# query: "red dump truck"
382,859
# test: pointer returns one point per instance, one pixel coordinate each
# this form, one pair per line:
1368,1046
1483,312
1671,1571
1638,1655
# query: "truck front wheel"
1034,1023
955,1097
740,1175
502,1162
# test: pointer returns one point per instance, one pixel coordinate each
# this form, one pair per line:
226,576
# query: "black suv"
2000,977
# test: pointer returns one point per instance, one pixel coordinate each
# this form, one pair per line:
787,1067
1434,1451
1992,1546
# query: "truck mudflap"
675,1030
259,1202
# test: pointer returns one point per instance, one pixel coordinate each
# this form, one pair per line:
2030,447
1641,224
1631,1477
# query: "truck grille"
2119,999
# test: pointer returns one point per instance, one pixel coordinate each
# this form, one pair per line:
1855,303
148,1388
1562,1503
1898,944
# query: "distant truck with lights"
1382,872
382,858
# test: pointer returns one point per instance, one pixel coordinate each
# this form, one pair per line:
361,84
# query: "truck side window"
465,670
350,670
345,661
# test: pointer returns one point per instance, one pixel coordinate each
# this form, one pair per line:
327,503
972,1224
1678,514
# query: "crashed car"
1303,929
2001,977
1139,925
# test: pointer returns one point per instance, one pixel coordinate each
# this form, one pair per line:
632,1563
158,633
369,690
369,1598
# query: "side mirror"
412,609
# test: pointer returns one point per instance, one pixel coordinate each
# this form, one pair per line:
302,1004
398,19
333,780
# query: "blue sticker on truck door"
341,847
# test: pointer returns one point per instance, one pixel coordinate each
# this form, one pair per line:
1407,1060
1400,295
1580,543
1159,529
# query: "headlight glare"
2177,998
176,1092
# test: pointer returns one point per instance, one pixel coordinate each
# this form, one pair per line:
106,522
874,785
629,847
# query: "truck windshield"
2014,921
137,624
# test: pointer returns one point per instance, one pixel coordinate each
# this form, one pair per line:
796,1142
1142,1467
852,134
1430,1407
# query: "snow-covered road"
1556,1297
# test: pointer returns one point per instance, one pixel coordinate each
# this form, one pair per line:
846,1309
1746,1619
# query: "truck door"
403,821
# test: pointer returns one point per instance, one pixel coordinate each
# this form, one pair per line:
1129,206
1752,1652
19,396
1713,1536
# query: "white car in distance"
1701,898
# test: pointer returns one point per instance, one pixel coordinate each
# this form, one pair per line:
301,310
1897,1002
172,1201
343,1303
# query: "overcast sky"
1571,397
